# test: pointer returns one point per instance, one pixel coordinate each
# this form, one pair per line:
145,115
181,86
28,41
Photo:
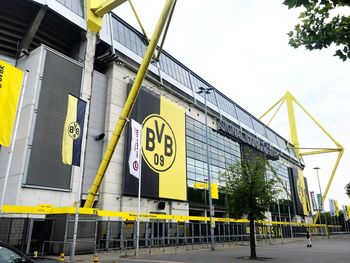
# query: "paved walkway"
336,250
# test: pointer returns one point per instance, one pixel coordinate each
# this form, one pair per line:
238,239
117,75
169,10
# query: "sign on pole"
135,169
319,201
135,152
313,200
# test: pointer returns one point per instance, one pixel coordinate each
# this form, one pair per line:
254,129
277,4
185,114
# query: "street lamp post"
325,217
206,91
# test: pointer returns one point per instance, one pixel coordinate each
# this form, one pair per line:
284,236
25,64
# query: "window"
244,117
222,152
76,6
7,255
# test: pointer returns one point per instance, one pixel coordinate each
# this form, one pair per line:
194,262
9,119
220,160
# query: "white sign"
135,149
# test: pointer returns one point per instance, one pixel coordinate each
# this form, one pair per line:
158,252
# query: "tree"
347,189
322,23
250,191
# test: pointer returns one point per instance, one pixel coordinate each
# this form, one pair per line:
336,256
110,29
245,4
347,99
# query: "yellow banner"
336,207
10,89
67,140
214,189
172,180
302,193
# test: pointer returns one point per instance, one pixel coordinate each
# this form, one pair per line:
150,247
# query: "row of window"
77,6
222,152
283,183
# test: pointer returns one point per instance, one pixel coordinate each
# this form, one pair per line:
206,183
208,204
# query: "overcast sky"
241,48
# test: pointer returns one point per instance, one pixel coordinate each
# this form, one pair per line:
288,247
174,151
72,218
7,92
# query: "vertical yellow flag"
10,89
336,207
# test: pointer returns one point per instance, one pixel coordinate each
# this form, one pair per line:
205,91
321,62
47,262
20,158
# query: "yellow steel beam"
278,108
101,8
318,124
281,100
330,180
292,122
96,9
319,152
138,20
165,32
128,104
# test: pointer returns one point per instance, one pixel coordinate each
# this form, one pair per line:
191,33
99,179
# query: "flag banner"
11,79
345,212
332,207
73,131
300,191
319,201
163,162
214,191
313,200
135,149
214,188
336,207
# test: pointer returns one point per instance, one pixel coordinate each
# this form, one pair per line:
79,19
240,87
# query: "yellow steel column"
292,123
129,104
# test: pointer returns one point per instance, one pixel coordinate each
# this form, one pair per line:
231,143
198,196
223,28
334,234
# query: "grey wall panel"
94,149
31,64
45,169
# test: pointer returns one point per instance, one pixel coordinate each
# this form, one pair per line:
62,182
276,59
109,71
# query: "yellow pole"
128,104
138,20
341,151
292,122
274,105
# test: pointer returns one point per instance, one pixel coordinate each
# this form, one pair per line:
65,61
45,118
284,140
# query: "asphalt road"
324,250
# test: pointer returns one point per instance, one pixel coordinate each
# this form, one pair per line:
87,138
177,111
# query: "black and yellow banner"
163,148
10,89
300,191
73,131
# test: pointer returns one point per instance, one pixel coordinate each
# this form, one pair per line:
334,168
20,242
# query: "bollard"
61,257
35,254
95,258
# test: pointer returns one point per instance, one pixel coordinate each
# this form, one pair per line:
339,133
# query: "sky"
241,48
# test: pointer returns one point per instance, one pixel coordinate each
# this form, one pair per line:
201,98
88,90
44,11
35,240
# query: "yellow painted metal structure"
138,20
96,9
129,103
290,101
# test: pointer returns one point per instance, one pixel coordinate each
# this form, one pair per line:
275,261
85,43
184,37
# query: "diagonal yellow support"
128,104
290,101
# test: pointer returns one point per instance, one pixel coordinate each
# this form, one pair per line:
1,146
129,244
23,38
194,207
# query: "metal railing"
95,234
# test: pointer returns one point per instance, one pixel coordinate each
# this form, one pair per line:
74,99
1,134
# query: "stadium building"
46,38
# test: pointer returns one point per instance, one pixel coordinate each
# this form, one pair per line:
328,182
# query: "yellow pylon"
290,101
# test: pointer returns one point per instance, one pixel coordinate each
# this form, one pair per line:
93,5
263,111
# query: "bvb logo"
301,191
159,144
74,130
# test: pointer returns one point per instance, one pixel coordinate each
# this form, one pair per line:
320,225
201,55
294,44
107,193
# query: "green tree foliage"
322,23
347,189
250,191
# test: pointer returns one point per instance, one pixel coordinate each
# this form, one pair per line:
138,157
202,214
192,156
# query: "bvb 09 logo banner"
163,148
